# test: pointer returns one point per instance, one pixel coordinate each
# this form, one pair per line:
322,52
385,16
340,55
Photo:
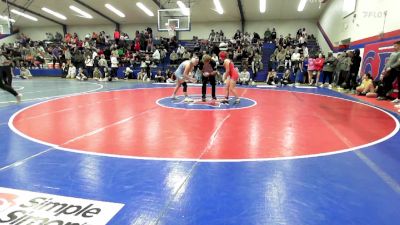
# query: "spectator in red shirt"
137,45
318,65
68,38
117,36
94,36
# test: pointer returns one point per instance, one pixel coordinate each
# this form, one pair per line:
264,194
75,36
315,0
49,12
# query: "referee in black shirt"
5,72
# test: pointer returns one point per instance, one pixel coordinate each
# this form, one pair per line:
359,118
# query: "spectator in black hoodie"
237,35
354,69
256,37
273,34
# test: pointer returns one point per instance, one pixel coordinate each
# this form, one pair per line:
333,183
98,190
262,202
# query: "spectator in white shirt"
247,37
25,73
256,65
159,77
147,65
301,41
211,37
156,56
304,33
89,66
295,56
114,66
163,55
186,55
295,61
180,50
81,75
142,75
86,44
71,72
107,76
128,73
103,64
96,73
214,57
41,49
305,51
244,77
173,57
94,54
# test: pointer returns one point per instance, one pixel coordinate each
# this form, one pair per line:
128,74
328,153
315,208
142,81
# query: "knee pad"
184,84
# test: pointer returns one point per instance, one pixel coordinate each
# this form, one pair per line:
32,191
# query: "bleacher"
267,50
313,46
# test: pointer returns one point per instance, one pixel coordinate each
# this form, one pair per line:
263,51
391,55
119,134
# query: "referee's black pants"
4,85
205,81
6,75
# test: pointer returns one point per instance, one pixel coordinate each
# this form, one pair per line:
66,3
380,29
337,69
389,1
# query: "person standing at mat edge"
231,76
5,72
182,75
208,69
390,73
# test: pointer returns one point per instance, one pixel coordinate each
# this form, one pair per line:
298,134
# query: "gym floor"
283,155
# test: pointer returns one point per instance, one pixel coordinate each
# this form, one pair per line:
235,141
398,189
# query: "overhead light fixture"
81,12
302,4
7,19
145,9
24,15
349,6
56,14
218,7
114,10
263,6
185,10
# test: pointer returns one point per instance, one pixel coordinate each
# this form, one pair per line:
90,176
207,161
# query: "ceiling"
202,11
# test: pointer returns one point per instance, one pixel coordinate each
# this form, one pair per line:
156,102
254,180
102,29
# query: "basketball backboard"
173,19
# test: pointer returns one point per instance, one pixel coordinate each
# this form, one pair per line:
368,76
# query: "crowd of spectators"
293,59
94,50
100,55
110,52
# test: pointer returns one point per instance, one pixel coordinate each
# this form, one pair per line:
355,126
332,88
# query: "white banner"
32,208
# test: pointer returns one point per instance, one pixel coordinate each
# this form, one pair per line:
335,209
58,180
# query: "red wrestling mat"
383,104
131,123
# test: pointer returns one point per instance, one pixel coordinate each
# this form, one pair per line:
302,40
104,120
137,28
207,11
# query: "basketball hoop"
168,17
